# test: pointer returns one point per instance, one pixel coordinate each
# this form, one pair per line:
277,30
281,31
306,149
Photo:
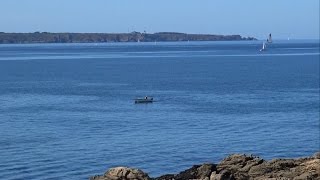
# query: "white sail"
263,47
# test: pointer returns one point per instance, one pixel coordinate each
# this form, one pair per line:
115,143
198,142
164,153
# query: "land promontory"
233,167
46,37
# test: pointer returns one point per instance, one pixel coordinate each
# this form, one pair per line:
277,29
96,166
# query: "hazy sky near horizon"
296,19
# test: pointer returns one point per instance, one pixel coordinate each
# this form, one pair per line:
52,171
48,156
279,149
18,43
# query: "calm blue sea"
67,110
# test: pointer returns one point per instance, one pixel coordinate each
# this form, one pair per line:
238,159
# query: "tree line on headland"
46,37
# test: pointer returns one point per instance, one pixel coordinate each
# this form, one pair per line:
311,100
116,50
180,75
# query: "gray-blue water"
67,110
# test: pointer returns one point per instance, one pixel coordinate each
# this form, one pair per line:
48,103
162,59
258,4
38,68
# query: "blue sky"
297,19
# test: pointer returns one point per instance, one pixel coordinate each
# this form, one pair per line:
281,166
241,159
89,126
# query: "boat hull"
138,101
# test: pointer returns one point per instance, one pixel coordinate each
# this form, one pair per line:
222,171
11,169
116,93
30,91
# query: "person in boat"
146,97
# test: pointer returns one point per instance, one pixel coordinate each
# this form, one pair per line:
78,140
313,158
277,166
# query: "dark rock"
202,172
197,172
188,174
166,177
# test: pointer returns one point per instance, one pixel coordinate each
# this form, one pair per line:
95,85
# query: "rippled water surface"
67,111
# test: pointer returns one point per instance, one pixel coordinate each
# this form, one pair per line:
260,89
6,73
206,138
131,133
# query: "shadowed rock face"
196,172
233,167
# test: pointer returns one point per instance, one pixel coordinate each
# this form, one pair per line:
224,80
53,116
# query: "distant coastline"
47,37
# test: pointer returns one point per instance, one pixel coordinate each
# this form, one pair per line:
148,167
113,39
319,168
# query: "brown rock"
224,175
234,167
122,173
239,165
205,170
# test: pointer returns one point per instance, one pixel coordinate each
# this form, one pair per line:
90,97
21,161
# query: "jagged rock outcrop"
122,173
233,167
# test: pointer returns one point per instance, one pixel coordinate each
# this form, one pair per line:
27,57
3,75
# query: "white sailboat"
264,47
269,40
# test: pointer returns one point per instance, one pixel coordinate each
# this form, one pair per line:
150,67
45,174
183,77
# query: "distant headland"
47,37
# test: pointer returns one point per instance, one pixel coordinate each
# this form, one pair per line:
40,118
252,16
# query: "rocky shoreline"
233,167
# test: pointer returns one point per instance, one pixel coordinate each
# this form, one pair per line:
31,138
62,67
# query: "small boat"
143,100
264,47
269,40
